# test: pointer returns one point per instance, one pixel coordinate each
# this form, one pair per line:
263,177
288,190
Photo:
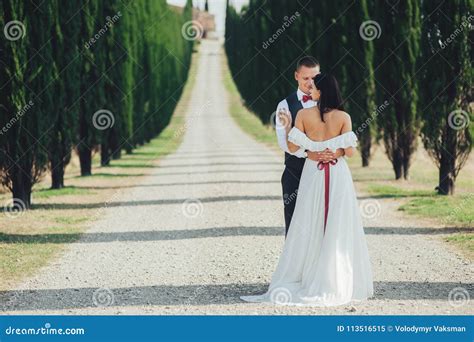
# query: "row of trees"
405,68
102,75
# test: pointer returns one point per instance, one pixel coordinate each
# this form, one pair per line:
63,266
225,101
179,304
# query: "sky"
216,7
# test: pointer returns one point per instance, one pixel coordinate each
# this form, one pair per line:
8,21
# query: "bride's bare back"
335,123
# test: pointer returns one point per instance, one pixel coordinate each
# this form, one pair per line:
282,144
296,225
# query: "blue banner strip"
237,328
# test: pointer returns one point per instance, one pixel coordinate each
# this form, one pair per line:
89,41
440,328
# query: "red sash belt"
325,167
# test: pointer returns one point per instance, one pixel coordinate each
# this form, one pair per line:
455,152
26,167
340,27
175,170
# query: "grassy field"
28,240
249,122
417,195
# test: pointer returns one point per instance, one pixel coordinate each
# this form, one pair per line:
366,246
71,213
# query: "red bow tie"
306,98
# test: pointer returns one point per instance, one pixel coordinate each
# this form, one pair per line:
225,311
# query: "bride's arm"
298,124
347,127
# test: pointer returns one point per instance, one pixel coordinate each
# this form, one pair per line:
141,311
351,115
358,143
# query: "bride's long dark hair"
330,97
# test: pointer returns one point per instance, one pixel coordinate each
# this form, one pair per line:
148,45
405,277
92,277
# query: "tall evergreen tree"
91,83
70,65
64,116
359,84
446,88
396,55
115,56
26,72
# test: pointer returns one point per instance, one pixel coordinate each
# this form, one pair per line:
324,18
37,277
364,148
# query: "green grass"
112,175
465,241
70,220
389,191
457,209
68,190
248,121
135,165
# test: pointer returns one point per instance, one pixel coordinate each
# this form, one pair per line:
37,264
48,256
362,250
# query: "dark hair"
307,61
330,97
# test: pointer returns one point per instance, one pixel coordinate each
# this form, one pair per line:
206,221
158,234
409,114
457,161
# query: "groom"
306,68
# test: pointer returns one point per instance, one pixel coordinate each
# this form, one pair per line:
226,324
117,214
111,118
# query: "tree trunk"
21,190
116,154
447,174
57,173
104,154
365,146
397,164
85,159
406,166
115,147
84,149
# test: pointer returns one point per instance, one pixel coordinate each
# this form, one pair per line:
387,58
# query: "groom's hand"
316,156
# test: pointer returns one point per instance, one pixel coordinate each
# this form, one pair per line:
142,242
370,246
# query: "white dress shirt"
280,129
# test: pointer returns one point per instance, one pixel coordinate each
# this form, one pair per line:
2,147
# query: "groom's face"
304,75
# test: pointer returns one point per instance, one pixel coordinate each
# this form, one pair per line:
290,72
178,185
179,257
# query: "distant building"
205,19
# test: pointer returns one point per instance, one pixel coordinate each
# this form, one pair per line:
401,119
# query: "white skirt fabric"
322,266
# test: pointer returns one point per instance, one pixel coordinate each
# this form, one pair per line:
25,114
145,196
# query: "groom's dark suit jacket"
294,105
290,179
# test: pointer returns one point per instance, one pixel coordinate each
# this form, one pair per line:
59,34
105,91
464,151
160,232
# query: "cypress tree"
91,83
26,96
446,86
396,55
64,116
359,83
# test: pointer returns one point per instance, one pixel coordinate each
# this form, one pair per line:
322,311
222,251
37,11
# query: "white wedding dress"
322,265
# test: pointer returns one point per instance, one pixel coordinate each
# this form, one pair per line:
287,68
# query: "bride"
325,261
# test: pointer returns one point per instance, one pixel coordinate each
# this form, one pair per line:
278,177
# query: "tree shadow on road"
225,294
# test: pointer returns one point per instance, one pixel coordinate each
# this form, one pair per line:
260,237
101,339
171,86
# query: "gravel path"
209,228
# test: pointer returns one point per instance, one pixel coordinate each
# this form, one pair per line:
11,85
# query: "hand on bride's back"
323,156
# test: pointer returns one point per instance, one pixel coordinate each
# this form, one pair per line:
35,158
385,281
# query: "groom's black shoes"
290,180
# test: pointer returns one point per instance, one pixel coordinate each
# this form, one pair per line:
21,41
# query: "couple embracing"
325,260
